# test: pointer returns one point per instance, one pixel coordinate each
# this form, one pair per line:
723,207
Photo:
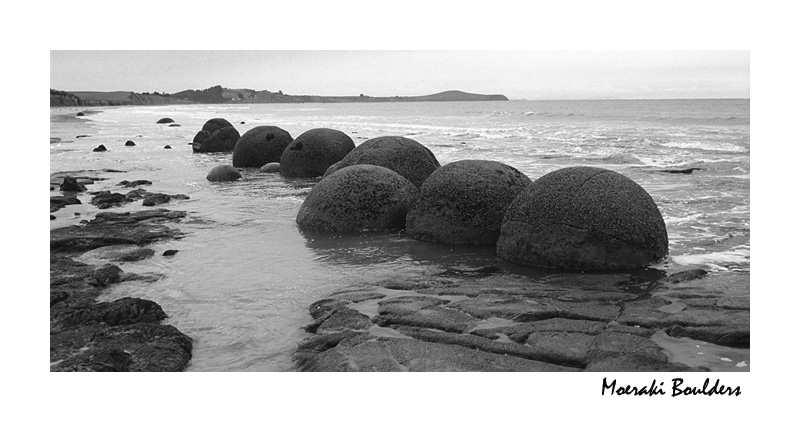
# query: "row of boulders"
273,149
577,218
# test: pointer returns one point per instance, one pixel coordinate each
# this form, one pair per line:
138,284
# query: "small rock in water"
681,171
170,252
270,168
100,148
70,184
133,184
52,217
165,120
155,199
223,173
80,113
82,136
174,125
130,144
167,147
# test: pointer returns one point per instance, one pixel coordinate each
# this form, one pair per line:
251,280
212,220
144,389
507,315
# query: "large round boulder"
356,199
314,151
222,140
464,202
407,157
260,145
583,218
215,124
223,173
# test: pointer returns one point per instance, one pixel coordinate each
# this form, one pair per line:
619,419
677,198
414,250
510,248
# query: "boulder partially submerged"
314,151
222,140
405,156
358,198
223,173
260,145
583,218
464,202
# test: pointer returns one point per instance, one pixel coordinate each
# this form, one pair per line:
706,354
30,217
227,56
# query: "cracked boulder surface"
584,219
506,322
127,334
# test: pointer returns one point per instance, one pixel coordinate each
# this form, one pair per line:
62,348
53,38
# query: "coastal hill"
220,95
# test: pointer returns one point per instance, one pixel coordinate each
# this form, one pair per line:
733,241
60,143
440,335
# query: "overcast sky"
517,74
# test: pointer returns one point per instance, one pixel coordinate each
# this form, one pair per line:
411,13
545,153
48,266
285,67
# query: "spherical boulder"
215,124
464,202
222,140
583,218
223,173
270,168
356,199
314,151
407,157
260,145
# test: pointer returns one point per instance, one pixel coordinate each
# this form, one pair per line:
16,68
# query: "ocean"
244,275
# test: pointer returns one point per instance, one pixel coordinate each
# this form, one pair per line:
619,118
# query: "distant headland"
220,95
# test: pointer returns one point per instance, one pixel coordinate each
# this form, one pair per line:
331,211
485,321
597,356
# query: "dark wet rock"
135,183
100,148
222,140
167,147
326,307
405,156
199,137
681,171
170,252
52,217
82,136
345,319
165,120
136,194
123,335
107,199
139,228
174,125
154,199
314,151
260,145
58,202
686,275
223,173
583,218
80,113
464,202
70,184
130,144
357,198
140,347
106,275
270,168
215,124
119,312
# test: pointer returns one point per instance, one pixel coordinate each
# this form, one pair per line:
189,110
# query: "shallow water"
244,275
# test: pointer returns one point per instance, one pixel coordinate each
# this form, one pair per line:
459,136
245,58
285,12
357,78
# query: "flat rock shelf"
482,319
